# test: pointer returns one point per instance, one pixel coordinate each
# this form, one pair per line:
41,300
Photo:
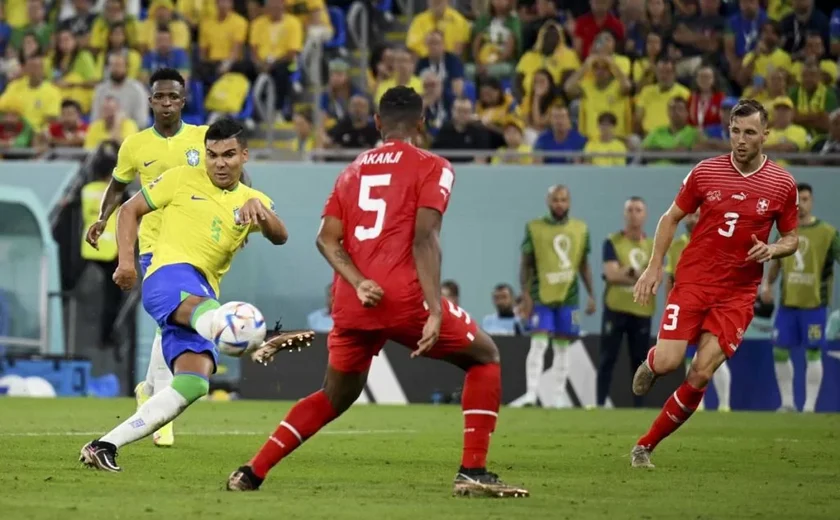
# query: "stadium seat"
194,113
247,111
469,90
385,6
339,23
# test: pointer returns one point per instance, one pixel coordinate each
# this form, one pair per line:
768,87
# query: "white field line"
209,433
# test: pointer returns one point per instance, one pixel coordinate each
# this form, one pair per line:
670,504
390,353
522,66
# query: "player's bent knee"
780,355
699,376
343,388
484,349
191,386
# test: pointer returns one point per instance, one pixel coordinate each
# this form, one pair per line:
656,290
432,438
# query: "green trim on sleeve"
148,198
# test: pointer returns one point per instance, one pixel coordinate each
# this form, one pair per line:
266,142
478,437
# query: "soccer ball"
237,328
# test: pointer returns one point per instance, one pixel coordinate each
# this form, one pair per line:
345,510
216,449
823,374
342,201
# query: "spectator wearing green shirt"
678,136
813,100
37,26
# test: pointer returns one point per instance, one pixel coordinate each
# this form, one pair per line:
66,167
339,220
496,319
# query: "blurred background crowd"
509,78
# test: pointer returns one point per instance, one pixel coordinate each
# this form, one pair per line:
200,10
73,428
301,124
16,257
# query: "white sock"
813,381
722,381
534,363
160,409
156,363
784,376
560,368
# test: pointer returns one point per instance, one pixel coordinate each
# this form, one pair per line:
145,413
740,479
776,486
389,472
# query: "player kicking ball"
740,196
380,233
204,221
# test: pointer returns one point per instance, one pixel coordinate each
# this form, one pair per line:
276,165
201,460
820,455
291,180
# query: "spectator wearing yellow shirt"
515,151
37,25
113,125
604,46
784,136
494,104
112,14
118,44
15,12
652,102
604,88
777,10
403,75
72,69
815,49
644,68
813,100
775,86
195,11
276,40
221,42
767,56
535,106
313,17
550,53
455,29
32,96
161,15
305,134
606,142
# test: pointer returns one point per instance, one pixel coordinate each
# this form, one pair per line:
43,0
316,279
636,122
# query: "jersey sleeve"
609,254
126,170
437,187
788,218
332,208
160,192
689,197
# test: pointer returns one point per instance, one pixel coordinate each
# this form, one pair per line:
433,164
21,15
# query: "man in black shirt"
804,18
356,130
462,133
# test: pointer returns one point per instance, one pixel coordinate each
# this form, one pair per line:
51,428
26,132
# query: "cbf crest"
193,157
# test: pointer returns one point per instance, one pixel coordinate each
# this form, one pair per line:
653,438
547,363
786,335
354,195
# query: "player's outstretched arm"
427,255
329,244
651,278
786,245
255,213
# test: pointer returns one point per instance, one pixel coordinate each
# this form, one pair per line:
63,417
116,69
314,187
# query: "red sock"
480,402
650,354
678,408
305,418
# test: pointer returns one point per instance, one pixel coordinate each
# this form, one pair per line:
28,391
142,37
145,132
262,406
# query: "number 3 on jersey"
730,222
367,203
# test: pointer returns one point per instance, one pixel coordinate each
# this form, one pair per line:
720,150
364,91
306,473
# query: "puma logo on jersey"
147,164
739,196
382,158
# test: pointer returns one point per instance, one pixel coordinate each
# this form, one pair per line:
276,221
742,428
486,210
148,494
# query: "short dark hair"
400,106
452,285
226,128
607,118
163,28
503,287
748,107
67,103
804,186
636,198
666,60
167,74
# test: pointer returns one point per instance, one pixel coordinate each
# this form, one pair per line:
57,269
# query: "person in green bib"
722,380
806,287
625,256
105,257
555,254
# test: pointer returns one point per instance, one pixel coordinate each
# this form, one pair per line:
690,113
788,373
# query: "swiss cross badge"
762,206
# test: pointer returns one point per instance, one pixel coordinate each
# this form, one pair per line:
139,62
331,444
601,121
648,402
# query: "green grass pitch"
398,462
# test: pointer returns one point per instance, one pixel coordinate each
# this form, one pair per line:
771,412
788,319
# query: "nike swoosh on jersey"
147,164
197,198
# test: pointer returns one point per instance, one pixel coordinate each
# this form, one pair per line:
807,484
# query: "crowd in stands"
599,76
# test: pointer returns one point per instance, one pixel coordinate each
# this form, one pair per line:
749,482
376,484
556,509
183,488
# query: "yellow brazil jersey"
794,134
767,63
563,60
218,37
598,101
149,154
273,40
614,146
654,101
453,25
503,157
390,83
828,68
37,105
198,221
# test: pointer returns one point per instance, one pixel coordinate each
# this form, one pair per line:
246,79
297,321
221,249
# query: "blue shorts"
690,351
163,292
559,321
800,327
145,262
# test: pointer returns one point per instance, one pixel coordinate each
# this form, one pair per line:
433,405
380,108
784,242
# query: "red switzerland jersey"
377,197
733,207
